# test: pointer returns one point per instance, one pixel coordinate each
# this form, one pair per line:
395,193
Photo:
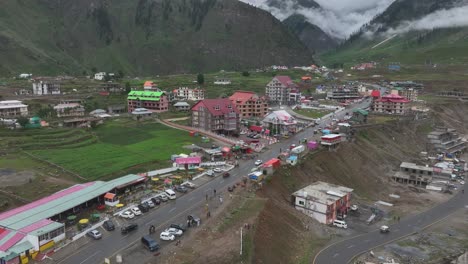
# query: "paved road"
176,211
346,250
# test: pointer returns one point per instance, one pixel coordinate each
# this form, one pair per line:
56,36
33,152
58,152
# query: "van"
150,243
170,194
340,223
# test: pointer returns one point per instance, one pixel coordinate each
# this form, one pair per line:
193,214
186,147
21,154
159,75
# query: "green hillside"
144,37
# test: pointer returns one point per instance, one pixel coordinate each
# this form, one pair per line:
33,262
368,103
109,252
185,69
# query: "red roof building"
217,115
249,104
375,94
391,104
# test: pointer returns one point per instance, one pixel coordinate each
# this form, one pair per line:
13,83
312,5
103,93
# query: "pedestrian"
463,191
230,196
214,191
220,199
209,214
398,218
188,223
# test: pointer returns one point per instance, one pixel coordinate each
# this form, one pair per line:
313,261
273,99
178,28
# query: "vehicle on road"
163,197
166,236
384,229
217,170
189,185
136,211
174,231
156,201
128,228
194,220
150,243
181,189
144,207
258,162
170,194
210,173
127,214
226,174
94,234
340,223
354,207
108,225
179,226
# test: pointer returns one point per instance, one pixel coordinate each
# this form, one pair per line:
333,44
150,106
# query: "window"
301,203
229,106
414,171
216,107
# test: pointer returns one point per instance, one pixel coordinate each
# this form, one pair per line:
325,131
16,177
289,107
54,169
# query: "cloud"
445,18
338,18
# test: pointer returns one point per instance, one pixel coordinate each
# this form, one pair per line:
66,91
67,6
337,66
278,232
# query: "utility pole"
241,241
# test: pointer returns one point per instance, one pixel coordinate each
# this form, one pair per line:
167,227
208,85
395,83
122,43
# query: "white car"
150,203
136,210
166,236
217,170
258,162
174,231
127,214
189,185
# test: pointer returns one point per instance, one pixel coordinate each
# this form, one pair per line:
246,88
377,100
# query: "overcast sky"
338,18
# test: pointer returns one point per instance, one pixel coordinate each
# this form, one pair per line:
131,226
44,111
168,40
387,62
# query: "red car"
226,174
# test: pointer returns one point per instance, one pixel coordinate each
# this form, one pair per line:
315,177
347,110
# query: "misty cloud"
338,18
445,18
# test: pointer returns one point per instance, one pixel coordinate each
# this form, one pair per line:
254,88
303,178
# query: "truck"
298,149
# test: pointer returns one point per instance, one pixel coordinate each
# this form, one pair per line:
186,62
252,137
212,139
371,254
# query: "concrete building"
391,104
182,106
216,115
343,94
69,110
13,108
418,175
46,88
150,86
323,201
278,90
280,122
156,101
249,104
100,76
222,81
331,140
185,93
446,140
409,94
33,229
360,116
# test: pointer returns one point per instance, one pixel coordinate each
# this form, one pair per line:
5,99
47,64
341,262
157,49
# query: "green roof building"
155,101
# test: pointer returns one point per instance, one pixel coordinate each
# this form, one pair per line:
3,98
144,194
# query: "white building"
280,122
323,201
222,81
46,88
185,93
99,76
25,75
282,90
13,108
69,110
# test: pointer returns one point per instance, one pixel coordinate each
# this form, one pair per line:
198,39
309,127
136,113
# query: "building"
410,94
323,201
418,175
150,86
446,140
142,113
280,122
343,94
156,101
182,106
13,108
185,93
217,115
116,109
46,88
331,140
391,104
69,110
37,227
279,88
295,96
360,116
222,81
100,76
249,104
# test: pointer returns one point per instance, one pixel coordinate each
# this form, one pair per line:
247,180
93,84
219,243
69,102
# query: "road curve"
346,250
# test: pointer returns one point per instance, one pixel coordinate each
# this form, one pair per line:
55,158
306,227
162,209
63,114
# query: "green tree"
85,73
23,121
93,70
120,74
107,77
200,78
128,88
245,73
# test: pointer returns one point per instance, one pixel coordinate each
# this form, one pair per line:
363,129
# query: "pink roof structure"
11,241
393,98
189,160
36,225
216,107
241,96
285,80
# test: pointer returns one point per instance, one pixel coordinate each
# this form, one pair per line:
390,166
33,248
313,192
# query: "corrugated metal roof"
46,229
145,95
62,201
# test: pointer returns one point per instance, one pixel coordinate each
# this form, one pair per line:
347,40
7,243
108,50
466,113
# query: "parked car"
257,136
136,211
217,170
166,236
195,220
175,231
179,226
340,223
144,207
163,197
150,203
156,201
258,162
150,243
108,225
189,185
127,214
128,228
181,189
210,173
94,234
384,229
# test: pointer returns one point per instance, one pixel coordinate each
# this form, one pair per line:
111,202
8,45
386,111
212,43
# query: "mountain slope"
141,36
397,36
311,35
